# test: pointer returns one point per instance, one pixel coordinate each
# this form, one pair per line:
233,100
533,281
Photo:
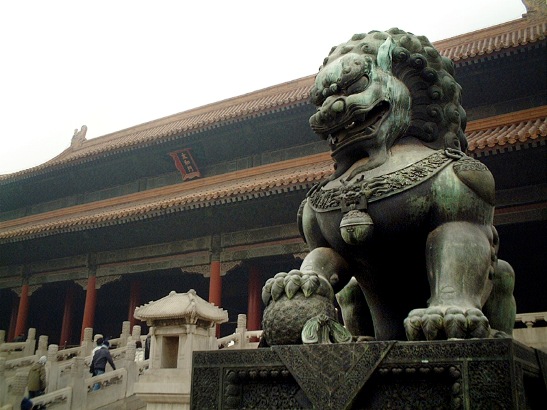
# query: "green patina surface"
406,213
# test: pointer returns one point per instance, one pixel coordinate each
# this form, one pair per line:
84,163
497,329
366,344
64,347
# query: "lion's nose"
334,107
328,113
338,106
331,109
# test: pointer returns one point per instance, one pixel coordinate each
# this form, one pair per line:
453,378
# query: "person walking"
99,342
26,404
36,382
100,358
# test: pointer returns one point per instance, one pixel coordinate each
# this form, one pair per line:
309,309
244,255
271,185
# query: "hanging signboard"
185,164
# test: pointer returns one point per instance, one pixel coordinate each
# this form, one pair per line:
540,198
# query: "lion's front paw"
289,284
292,299
451,322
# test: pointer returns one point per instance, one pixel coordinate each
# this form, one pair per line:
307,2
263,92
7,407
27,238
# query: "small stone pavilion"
180,323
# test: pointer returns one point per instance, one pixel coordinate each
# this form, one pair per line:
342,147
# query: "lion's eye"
316,96
358,86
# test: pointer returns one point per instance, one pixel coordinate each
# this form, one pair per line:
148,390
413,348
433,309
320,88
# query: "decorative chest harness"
352,199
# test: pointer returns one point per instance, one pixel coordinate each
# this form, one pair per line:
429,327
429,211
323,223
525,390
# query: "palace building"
207,199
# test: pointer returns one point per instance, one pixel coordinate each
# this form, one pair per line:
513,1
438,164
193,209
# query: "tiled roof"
181,306
233,187
466,47
486,136
503,132
492,39
268,100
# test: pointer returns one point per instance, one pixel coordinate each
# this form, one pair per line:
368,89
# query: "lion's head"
383,86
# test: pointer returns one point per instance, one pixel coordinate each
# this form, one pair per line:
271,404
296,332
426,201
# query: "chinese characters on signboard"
185,164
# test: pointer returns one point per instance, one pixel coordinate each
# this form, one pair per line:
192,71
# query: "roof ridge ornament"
535,9
79,137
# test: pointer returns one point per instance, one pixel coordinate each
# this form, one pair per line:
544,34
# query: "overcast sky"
114,64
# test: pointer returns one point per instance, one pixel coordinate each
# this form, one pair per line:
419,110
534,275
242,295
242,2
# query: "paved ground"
130,403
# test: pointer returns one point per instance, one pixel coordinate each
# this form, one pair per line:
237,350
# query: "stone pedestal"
463,374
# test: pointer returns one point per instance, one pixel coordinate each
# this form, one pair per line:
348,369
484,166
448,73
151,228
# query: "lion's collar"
361,191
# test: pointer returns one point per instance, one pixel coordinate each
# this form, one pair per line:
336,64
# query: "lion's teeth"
347,127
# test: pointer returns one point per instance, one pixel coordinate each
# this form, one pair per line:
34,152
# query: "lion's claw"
477,324
446,323
432,324
413,325
455,323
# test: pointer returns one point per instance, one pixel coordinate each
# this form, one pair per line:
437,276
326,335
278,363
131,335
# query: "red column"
254,303
22,313
13,318
215,287
90,304
215,284
134,300
66,327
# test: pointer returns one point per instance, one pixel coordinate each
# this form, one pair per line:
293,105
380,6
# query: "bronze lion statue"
402,232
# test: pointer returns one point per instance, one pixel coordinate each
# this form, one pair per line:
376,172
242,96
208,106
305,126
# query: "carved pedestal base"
466,374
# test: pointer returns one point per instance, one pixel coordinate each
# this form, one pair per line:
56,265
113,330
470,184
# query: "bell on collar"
356,227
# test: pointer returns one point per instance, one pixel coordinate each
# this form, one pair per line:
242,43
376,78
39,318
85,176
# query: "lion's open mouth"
357,123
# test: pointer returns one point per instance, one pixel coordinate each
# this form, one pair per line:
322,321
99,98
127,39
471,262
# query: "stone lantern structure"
180,323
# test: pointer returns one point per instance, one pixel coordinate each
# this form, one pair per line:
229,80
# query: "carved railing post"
78,383
52,368
213,345
42,346
136,335
124,336
241,330
131,367
87,342
30,342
